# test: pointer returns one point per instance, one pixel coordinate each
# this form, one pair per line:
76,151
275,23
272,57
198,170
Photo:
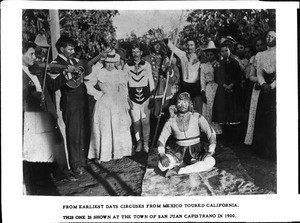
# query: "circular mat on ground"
226,178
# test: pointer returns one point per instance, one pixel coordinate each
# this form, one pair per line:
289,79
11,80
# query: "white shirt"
196,124
190,66
34,79
266,61
63,57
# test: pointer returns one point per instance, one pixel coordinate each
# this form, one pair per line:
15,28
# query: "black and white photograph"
175,110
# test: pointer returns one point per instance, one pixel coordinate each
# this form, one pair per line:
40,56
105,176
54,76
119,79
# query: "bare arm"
181,54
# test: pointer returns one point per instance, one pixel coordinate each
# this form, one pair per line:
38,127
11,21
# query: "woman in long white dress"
260,46
110,136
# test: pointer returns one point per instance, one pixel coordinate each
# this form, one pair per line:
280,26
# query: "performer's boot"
146,133
137,127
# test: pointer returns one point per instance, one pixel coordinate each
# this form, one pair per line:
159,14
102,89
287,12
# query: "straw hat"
41,41
227,38
112,57
210,46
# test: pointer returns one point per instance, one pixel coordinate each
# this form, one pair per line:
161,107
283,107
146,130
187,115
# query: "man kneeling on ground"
188,155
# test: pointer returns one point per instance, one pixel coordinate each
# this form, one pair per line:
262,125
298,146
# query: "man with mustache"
141,86
188,155
190,65
74,106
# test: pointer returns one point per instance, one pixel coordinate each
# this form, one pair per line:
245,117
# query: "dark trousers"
194,89
37,178
76,119
197,102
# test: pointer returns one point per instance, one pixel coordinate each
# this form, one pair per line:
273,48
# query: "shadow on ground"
124,177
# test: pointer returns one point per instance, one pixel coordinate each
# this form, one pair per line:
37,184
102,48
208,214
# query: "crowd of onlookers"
230,85
121,106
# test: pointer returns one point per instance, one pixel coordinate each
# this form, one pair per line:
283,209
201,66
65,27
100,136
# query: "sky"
140,21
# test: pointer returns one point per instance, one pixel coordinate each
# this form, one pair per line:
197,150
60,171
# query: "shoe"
79,171
138,147
67,179
146,148
71,178
64,177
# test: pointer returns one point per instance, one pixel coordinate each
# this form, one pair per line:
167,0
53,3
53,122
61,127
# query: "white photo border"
283,206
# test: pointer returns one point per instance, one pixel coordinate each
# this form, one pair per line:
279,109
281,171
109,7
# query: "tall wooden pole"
54,29
167,81
55,34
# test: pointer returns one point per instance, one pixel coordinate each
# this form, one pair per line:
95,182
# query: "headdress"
186,96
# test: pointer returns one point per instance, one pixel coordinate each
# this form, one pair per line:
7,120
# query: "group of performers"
193,97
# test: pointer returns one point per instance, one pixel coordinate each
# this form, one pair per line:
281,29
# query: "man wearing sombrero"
188,155
209,87
42,46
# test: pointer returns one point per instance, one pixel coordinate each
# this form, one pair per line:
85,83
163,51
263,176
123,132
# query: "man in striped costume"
141,86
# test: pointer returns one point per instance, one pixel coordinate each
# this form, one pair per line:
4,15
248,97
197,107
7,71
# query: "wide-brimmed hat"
41,41
210,46
112,57
227,38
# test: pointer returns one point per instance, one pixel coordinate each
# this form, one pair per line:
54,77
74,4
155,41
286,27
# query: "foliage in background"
92,29
242,25
205,25
144,40
34,22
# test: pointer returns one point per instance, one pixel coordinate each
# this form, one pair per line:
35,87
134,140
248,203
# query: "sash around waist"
188,142
195,137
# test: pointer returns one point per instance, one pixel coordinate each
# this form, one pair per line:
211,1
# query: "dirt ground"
124,177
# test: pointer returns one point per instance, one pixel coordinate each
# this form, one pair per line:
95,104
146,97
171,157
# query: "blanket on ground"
228,177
